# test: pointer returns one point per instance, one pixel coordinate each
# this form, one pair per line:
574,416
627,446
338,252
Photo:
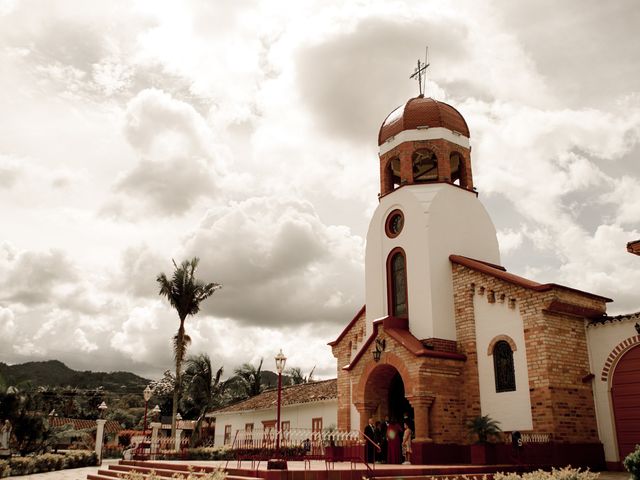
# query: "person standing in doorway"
370,446
406,443
383,439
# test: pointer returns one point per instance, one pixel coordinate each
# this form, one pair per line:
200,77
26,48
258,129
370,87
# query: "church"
448,334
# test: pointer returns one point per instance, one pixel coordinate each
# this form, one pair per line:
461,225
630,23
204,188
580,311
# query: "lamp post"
281,360
147,396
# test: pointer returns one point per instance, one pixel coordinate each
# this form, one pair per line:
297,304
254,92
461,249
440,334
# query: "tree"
248,379
204,388
484,427
297,378
185,294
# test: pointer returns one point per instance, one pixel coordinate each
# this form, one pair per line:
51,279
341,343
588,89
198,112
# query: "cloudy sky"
244,132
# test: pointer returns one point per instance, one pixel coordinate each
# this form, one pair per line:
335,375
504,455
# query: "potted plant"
483,428
632,463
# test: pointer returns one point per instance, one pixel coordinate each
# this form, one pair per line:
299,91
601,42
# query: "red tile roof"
501,273
405,338
111,426
422,112
291,395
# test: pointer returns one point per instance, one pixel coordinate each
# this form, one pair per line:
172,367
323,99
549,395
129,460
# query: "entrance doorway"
386,390
399,406
625,395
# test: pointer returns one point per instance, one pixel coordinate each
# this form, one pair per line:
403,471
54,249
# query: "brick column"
365,409
421,406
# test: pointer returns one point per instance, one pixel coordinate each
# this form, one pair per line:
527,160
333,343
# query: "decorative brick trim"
499,338
619,350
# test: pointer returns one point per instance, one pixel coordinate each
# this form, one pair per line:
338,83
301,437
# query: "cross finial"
420,73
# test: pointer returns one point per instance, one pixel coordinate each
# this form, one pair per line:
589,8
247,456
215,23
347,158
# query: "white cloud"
246,134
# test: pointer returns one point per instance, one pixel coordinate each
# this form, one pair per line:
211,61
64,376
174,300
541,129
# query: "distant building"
306,408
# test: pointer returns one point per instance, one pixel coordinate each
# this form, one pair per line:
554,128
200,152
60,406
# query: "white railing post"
99,436
177,439
153,448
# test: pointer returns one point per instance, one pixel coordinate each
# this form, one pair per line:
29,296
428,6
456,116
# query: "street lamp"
147,396
281,360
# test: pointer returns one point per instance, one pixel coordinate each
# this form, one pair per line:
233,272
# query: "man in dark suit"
370,448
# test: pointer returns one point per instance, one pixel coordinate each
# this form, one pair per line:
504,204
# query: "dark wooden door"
625,394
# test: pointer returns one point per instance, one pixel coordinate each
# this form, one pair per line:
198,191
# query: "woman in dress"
406,443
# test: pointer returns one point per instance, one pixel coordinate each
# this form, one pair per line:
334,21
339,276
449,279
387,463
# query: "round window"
394,224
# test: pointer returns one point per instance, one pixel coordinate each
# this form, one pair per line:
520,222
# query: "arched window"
397,281
456,162
503,367
425,166
394,173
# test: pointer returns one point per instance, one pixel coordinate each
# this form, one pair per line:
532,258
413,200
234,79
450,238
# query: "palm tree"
484,427
297,378
185,293
248,379
205,389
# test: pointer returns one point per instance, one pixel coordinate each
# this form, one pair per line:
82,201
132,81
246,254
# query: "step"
169,469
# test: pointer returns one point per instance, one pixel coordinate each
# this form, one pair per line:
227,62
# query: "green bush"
22,465
566,473
5,469
80,458
48,462
632,463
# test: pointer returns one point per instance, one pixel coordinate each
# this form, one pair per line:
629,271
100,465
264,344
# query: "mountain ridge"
54,373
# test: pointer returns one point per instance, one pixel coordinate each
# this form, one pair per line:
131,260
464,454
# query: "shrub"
48,462
632,463
566,473
80,458
5,469
22,465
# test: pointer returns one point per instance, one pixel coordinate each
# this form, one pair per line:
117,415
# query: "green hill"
54,373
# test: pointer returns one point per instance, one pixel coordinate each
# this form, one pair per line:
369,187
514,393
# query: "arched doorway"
399,406
625,396
385,393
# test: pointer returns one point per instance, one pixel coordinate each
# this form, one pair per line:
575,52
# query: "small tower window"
393,173
503,367
425,166
397,278
455,161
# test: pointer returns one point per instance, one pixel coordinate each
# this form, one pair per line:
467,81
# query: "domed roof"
421,112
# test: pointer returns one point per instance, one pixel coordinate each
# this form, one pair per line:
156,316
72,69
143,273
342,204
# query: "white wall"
511,409
299,415
439,220
602,339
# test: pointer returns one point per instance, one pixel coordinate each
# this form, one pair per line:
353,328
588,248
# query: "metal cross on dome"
420,73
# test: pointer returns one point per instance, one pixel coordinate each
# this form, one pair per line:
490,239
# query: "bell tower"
424,141
428,211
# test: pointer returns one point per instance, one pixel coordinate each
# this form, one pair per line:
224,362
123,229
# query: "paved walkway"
81,473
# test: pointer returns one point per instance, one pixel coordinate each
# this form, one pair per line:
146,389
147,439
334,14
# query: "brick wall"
556,345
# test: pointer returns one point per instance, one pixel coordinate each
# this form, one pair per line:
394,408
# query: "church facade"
447,334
